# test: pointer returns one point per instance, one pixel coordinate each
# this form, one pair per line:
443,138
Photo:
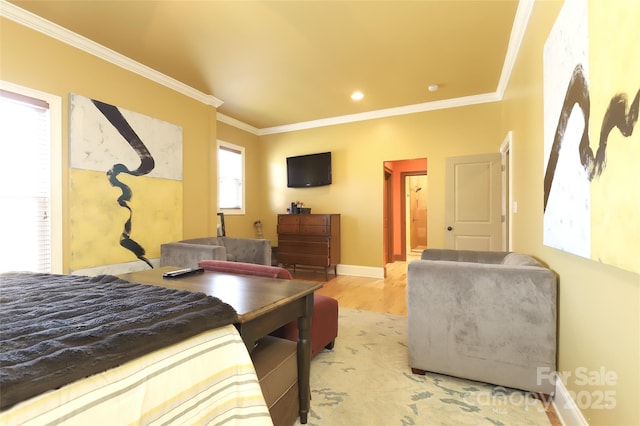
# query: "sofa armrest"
188,255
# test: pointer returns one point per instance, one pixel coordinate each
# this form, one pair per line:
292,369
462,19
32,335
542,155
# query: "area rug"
366,380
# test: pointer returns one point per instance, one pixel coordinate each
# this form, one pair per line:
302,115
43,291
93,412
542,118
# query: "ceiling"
277,63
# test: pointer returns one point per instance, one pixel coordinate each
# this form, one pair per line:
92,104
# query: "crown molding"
46,27
383,113
520,22
237,123
37,23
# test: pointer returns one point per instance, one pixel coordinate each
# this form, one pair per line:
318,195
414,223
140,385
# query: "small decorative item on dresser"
297,207
257,225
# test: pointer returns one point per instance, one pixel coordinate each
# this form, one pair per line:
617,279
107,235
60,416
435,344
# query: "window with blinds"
230,178
25,186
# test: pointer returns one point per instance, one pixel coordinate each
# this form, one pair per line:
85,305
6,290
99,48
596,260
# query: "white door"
473,202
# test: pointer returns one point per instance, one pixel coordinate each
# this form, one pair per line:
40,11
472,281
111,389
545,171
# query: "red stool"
324,325
324,321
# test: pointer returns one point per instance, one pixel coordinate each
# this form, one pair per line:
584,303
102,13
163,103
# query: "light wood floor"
387,295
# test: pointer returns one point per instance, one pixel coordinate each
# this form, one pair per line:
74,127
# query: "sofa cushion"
248,250
519,259
207,241
472,256
245,268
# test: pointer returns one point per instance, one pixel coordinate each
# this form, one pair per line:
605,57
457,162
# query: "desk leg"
304,358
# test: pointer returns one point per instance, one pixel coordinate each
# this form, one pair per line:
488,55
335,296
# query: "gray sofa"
484,316
187,253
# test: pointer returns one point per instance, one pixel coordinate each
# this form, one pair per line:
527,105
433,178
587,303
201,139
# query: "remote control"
182,272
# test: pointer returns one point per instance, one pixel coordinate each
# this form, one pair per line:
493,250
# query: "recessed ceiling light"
356,96
433,87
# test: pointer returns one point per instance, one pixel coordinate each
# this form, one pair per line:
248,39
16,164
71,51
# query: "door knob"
449,228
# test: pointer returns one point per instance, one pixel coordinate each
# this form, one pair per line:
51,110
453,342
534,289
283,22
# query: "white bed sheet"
205,380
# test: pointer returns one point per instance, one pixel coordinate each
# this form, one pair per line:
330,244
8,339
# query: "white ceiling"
277,63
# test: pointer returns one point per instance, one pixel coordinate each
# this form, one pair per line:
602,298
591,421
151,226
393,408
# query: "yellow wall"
358,153
599,305
33,60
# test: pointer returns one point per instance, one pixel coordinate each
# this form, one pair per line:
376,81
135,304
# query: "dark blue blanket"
55,329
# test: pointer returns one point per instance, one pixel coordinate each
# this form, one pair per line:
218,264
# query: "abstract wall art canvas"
591,139
126,184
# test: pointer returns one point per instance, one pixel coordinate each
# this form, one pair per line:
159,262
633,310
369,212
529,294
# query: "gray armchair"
187,253
485,316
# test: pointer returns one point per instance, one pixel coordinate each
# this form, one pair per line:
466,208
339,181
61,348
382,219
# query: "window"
230,178
30,218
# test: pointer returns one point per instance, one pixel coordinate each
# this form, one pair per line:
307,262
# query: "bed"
87,350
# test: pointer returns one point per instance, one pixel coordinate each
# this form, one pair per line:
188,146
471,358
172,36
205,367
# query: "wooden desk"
263,305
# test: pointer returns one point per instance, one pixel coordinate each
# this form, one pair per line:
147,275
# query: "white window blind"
25,159
230,177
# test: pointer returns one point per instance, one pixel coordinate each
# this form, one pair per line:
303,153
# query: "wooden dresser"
309,240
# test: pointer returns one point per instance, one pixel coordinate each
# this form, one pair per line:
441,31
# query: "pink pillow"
245,269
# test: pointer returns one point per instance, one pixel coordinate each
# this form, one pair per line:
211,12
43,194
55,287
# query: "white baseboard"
361,271
566,408
117,268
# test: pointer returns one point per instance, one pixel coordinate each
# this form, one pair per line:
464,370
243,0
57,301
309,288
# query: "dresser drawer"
303,259
288,228
311,224
288,219
315,248
288,224
314,220
314,229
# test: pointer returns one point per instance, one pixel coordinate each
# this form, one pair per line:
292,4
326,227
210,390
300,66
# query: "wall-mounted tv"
309,170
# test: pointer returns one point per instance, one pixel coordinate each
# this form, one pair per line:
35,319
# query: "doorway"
405,208
416,213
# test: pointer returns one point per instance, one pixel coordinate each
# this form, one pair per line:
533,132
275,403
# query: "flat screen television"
309,170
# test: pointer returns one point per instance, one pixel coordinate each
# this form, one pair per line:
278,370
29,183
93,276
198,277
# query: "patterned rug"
366,380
